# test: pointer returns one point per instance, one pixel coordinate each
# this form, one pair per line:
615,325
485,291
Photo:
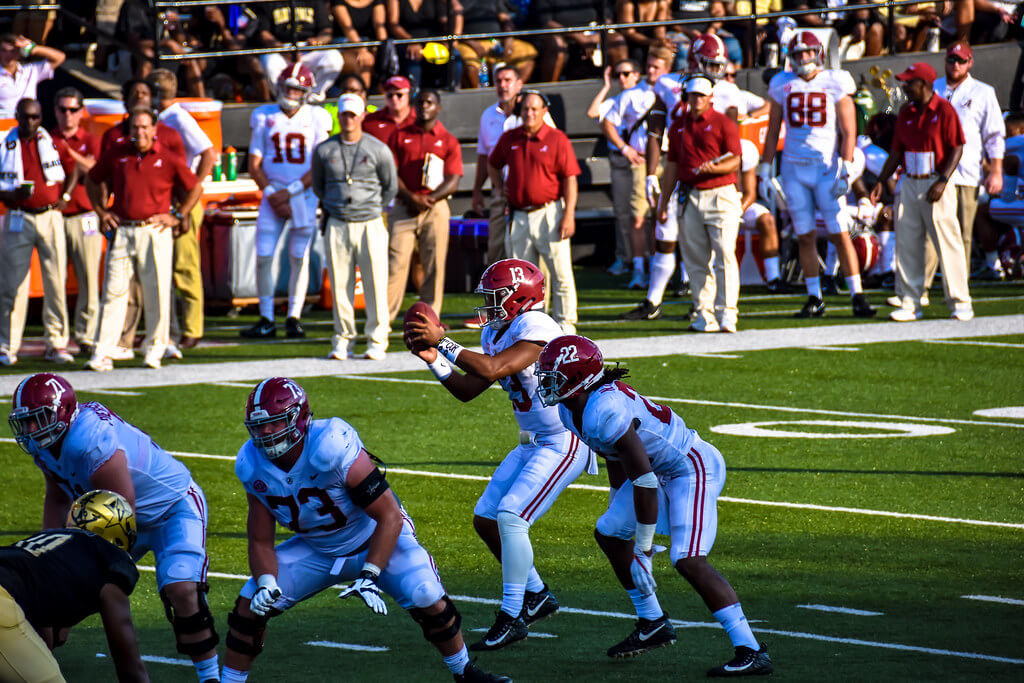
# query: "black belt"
530,209
41,209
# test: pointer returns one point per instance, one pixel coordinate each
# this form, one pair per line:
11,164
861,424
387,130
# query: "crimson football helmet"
1011,252
44,406
296,76
708,56
280,401
865,243
805,41
510,287
566,366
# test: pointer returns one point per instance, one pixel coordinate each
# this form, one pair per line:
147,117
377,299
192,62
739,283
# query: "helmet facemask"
493,313
40,424
275,444
551,384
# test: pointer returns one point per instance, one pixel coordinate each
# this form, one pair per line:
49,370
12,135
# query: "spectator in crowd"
136,26
36,25
748,104
396,114
429,163
354,177
231,27
861,26
634,43
710,205
357,21
555,48
991,20
79,150
423,19
541,191
311,26
143,180
481,56
20,73
683,35
34,188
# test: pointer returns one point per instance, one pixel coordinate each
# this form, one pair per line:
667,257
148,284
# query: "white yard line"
114,392
347,646
842,610
1002,345
995,598
832,348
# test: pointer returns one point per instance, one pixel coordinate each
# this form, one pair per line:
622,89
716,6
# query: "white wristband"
371,568
441,368
268,190
644,539
449,348
648,480
296,188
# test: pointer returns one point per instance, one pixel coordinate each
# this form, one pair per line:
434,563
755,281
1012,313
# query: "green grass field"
894,531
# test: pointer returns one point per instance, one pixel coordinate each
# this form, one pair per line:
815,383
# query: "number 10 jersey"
286,143
809,112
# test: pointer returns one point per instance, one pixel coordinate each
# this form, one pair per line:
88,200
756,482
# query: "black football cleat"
648,635
682,289
474,674
645,311
506,630
861,307
778,286
829,285
264,329
747,662
538,606
293,330
814,308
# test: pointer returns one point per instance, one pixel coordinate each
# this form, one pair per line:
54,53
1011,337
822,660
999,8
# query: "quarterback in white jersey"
548,457
315,478
83,447
284,136
821,134
658,468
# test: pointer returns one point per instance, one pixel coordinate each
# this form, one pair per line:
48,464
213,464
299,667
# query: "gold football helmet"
106,514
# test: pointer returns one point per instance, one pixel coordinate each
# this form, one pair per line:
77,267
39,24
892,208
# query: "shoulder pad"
244,468
333,444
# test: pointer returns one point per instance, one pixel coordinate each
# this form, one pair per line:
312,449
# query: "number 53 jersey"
614,407
809,112
311,499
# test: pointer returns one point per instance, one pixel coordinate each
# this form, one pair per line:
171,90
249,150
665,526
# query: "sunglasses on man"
953,59
69,110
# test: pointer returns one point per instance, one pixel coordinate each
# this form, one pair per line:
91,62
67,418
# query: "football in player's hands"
419,308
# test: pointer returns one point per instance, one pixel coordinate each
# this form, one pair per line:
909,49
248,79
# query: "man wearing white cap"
354,177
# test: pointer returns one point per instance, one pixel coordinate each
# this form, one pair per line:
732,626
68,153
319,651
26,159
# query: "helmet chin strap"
807,68
288,104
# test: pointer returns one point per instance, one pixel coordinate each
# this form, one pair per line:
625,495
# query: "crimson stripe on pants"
558,473
700,486
197,501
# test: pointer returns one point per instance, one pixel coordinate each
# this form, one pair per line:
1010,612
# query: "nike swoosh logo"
491,643
736,668
533,612
646,636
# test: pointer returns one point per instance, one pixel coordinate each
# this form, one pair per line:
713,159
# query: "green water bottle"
218,169
230,163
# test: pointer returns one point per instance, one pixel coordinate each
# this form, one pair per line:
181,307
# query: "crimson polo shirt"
934,128
699,139
142,184
86,144
412,144
536,165
380,125
42,194
169,138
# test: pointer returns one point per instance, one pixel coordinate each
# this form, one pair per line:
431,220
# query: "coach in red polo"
139,227
540,188
704,156
397,112
927,143
429,162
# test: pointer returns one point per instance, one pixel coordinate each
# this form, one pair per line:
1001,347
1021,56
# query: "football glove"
764,179
652,188
267,593
365,586
842,183
641,571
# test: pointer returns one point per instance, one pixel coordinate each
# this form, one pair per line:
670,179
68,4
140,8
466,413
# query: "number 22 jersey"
809,111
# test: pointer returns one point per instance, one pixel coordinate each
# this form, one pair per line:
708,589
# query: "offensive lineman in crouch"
284,136
548,458
818,110
348,527
666,476
81,447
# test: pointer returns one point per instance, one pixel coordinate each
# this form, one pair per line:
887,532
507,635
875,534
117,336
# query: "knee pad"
201,621
510,523
437,628
253,626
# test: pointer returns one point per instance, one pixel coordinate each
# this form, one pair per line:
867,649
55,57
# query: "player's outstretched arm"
260,526
116,612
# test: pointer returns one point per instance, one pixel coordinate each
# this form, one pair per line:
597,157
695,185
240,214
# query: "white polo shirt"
980,117
22,83
630,106
494,122
196,141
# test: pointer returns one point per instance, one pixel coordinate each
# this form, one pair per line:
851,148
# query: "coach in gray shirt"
354,176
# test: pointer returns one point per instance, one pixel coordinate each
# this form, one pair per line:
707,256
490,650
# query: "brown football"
413,315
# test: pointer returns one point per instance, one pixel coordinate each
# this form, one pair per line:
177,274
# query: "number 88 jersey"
809,111
286,143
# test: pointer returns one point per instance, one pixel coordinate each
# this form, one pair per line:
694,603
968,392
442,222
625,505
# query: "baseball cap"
351,103
961,50
700,85
918,70
397,83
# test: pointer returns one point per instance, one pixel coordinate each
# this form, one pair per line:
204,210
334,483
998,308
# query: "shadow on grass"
942,473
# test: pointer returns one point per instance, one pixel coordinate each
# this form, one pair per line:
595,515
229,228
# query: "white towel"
12,174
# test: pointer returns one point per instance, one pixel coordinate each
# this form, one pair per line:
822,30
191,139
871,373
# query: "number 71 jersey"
286,143
809,111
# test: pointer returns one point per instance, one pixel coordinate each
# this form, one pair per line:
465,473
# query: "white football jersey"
669,89
311,499
531,414
286,143
614,407
749,156
727,94
809,111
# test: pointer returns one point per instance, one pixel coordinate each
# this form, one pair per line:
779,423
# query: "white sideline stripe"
237,385
1002,345
842,610
400,380
707,624
694,354
832,348
348,646
994,598
114,392
166,660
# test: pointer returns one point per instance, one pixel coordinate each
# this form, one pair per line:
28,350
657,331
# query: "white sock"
646,608
853,284
229,675
662,267
813,286
887,259
534,583
458,662
207,668
265,285
267,307
516,560
831,260
298,283
736,627
771,268
638,264
992,259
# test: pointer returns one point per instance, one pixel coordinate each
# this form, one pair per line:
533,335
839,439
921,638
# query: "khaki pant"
427,231
496,228
188,278
536,237
363,244
85,252
23,654
966,210
919,222
145,252
43,232
708,226
622,195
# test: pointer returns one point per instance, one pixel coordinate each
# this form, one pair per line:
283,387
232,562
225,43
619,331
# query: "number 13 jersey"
809,112
286,143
